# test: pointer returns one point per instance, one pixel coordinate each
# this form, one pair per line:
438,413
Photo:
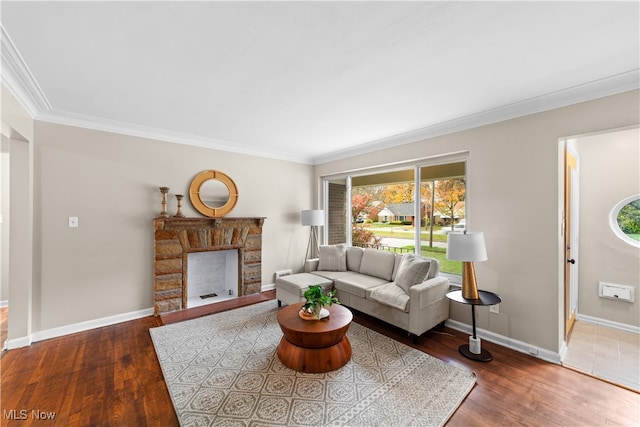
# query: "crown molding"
613,85
18,80
620,83
130,129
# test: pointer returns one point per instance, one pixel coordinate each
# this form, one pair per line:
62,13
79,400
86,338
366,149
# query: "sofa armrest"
311,265
428,291
428,305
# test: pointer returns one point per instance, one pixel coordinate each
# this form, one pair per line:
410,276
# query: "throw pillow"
377,263
333,258
413,270
354,258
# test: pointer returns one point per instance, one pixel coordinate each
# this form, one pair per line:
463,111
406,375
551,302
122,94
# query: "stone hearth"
175,238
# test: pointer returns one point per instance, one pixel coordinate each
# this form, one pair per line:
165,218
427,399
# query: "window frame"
613,220
416,165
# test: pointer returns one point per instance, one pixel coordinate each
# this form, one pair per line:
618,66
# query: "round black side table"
486,298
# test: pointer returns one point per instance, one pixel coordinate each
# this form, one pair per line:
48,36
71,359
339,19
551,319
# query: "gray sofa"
401,289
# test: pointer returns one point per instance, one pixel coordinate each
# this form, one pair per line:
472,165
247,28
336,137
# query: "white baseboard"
268,287
563,349
89,324
74,328
608,323
17,343
511,343
85,326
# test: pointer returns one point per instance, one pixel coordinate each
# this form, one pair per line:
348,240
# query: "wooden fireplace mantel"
175,238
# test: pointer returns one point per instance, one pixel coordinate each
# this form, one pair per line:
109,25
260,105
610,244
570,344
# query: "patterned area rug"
223,370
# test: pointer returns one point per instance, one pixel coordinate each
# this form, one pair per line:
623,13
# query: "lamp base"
484,355
469,285
474,345
312,247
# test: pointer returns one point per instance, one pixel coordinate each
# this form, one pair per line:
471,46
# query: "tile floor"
604,352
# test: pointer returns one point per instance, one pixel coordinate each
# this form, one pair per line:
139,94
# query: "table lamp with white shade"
468,248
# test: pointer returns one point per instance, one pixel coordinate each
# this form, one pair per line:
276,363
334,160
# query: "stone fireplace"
175,238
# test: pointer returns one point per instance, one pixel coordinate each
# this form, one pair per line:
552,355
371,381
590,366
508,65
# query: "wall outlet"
73,221
494,309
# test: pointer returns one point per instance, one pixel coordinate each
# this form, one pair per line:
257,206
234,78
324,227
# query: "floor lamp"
314,219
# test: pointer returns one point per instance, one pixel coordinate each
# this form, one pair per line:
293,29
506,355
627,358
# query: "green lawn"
407,232
446,266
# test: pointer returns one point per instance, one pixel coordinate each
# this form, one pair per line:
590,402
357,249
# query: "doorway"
570,239
602,335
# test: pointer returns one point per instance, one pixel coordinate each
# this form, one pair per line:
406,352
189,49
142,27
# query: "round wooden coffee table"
314,345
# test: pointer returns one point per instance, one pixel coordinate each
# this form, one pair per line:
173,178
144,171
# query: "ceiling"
311,81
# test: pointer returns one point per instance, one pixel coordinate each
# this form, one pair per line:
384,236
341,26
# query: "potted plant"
316,300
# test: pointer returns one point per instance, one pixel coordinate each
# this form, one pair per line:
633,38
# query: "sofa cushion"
333,258
333,275
391,295
377,263
357,284
413,270
298,283
434,270
354,258
396,266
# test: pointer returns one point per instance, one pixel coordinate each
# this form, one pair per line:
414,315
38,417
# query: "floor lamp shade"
467,247
313,217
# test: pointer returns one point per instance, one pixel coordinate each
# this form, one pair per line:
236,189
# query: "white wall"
609,172
514,198
110,182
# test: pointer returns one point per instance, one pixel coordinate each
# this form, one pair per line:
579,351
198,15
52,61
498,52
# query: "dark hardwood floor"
111,377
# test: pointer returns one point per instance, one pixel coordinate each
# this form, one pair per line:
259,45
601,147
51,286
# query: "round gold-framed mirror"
213,193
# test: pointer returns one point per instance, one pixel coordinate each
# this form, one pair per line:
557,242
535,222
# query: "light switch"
73,221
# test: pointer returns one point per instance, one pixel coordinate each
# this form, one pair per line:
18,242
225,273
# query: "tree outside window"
450,195
383,216
628,219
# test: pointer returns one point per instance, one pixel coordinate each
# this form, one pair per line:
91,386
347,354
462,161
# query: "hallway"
607,353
